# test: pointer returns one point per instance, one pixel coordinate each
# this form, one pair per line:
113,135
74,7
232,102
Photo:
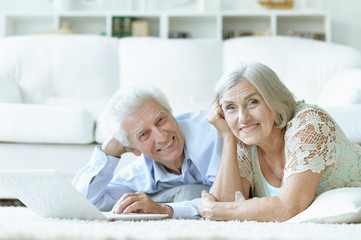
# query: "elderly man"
177,157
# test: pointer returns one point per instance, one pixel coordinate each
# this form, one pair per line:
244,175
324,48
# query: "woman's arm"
296,195
228,180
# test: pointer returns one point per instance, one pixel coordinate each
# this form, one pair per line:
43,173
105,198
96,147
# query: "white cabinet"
217,25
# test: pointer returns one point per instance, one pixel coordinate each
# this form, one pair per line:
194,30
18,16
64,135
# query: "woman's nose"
243,116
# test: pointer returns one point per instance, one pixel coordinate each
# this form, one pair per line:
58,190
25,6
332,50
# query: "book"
121,26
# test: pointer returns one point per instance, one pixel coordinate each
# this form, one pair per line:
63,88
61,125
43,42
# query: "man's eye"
143,136
162,120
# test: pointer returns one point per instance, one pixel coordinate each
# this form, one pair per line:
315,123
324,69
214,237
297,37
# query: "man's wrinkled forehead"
139,131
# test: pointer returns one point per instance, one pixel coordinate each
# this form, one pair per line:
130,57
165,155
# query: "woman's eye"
254,101
230,107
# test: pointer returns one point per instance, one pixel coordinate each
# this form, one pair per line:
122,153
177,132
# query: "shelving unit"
196,25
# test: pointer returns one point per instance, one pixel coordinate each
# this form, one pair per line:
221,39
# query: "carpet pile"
22,223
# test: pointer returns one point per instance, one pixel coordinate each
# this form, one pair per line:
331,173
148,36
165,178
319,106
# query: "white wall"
345,15
345,21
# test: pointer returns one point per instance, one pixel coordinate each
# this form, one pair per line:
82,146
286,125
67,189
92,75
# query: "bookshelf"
213,25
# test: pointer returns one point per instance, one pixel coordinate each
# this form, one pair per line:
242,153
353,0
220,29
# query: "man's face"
154,132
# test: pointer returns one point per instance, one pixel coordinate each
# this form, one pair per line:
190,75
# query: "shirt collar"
162,175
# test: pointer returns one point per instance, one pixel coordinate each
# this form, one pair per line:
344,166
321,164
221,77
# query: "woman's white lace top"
313,141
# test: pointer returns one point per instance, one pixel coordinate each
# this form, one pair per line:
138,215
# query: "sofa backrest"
185,70
75,67
305,66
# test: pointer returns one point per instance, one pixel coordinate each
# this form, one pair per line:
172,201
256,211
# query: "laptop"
48,194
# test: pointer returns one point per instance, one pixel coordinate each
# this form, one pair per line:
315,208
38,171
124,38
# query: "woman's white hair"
126,101
276,95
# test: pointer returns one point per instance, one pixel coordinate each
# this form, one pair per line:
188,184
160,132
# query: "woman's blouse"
313,141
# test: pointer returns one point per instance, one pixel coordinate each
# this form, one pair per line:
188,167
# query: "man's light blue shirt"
202,149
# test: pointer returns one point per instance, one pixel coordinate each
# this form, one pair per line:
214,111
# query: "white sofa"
53,87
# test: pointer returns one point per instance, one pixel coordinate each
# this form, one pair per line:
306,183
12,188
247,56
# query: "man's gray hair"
126,101
276,95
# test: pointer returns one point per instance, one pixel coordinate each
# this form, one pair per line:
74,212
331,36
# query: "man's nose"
160,134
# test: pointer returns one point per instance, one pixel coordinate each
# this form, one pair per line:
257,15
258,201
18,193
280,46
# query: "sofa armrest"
45,124
9,91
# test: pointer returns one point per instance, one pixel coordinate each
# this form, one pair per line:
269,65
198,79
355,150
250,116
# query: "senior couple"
256,155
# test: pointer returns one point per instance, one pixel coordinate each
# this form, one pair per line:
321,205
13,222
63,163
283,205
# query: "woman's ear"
136,152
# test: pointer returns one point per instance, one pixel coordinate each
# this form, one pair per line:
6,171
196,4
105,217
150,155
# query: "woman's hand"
216,118
205,205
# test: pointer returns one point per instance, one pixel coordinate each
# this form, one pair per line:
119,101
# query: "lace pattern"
310,142
313,141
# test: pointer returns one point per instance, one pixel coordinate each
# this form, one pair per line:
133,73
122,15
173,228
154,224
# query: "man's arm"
95,182
92,181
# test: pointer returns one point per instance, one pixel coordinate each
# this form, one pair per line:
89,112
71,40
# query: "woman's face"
247,114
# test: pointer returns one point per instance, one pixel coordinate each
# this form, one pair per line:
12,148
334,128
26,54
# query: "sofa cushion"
95,106
185,70
304,65
343,89
348,118
102,131
45,124
9,91
68,66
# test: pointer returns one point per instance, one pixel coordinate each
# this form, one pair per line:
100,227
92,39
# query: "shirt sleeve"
95,181
309,142
185,209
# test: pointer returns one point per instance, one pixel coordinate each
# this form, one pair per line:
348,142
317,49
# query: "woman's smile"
249,128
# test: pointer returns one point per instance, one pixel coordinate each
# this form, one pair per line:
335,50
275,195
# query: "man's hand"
140,202
114,148
205,205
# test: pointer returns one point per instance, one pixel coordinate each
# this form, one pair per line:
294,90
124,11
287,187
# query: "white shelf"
195,25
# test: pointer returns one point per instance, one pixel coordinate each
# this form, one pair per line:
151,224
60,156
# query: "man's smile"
167,145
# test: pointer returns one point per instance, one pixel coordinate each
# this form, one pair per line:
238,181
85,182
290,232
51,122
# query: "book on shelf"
121,26
308,35
235,34
179,34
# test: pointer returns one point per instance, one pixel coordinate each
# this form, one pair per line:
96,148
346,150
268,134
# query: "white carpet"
21,223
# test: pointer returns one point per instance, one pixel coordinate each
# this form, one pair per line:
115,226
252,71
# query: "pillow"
9,92
341,205
342,89
93,106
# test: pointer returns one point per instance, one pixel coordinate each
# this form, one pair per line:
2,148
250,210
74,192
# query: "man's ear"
136,152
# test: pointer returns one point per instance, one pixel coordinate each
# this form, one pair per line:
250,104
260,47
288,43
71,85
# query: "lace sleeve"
244,161
309,142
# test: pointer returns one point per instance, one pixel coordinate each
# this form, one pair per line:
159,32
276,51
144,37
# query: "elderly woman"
279,151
